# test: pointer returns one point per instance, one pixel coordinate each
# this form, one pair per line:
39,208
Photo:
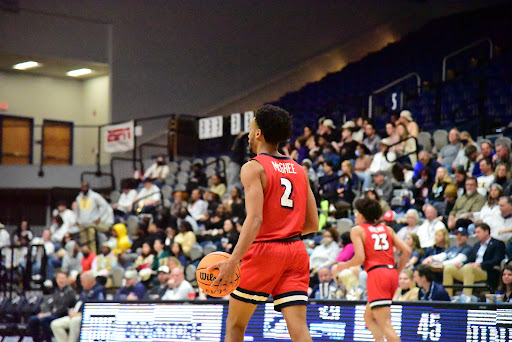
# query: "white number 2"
381,242
286,201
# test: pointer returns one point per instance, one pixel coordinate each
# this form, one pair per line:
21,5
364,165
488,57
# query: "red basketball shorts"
381,285
280,269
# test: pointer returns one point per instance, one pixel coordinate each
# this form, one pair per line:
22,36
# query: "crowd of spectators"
139,246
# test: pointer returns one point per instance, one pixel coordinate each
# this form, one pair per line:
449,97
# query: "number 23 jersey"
378,246
285,197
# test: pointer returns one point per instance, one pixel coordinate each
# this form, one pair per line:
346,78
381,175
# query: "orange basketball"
206,277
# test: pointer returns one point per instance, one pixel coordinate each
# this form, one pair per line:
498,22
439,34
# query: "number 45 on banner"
430,326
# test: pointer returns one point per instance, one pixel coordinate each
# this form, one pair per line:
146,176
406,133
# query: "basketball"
206,277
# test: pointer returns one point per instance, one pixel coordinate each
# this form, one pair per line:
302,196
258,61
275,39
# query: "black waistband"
291,239
380,266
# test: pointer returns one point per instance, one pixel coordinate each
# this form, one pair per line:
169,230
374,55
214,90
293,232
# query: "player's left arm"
357,236
250,175
402,247
311,219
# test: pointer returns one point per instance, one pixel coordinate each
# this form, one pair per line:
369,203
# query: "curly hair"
275,123
370,209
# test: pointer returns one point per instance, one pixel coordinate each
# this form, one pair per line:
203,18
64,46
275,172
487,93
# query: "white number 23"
381,242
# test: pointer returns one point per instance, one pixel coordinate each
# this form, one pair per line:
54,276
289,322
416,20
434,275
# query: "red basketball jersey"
285,196
378,246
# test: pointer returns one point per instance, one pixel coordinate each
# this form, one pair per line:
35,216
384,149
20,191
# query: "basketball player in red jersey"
373,247
280,208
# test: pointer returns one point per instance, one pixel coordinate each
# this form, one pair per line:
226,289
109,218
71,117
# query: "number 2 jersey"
285,197
378,246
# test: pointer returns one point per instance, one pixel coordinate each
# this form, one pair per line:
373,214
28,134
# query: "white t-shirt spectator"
68,217
427,231
379,162
178,293
125,201
484,183
198,209
5,239
156,171
146,195
323,255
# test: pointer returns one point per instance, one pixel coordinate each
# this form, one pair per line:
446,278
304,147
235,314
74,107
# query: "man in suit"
479,266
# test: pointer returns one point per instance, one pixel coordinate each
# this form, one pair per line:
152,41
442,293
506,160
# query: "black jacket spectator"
493,256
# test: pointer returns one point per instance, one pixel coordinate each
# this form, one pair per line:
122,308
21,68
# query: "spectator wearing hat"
372,139
431,224
450,196
382,161
123,241
453,255
147,198
481,261
133,290
407,120
328,130
407,149
92,291
179,288
159,290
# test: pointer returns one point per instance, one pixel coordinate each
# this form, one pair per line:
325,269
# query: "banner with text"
119,138
210,127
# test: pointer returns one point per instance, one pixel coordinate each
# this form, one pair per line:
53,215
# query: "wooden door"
16,141
57,142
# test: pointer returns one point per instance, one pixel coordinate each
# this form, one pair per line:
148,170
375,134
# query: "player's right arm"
311,219
251,176
402,247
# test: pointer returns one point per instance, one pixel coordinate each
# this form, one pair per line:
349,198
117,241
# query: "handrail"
149,144
403,155
112,167
219,161
95,173
467,47
389,85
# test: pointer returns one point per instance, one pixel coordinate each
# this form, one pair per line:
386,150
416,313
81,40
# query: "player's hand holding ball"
217,274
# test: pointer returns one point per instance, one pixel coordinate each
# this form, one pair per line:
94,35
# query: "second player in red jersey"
373,247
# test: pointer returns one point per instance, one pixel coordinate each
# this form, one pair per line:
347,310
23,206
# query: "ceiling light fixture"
26,65
79,72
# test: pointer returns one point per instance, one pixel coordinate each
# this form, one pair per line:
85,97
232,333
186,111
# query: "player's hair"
275,123
370,209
